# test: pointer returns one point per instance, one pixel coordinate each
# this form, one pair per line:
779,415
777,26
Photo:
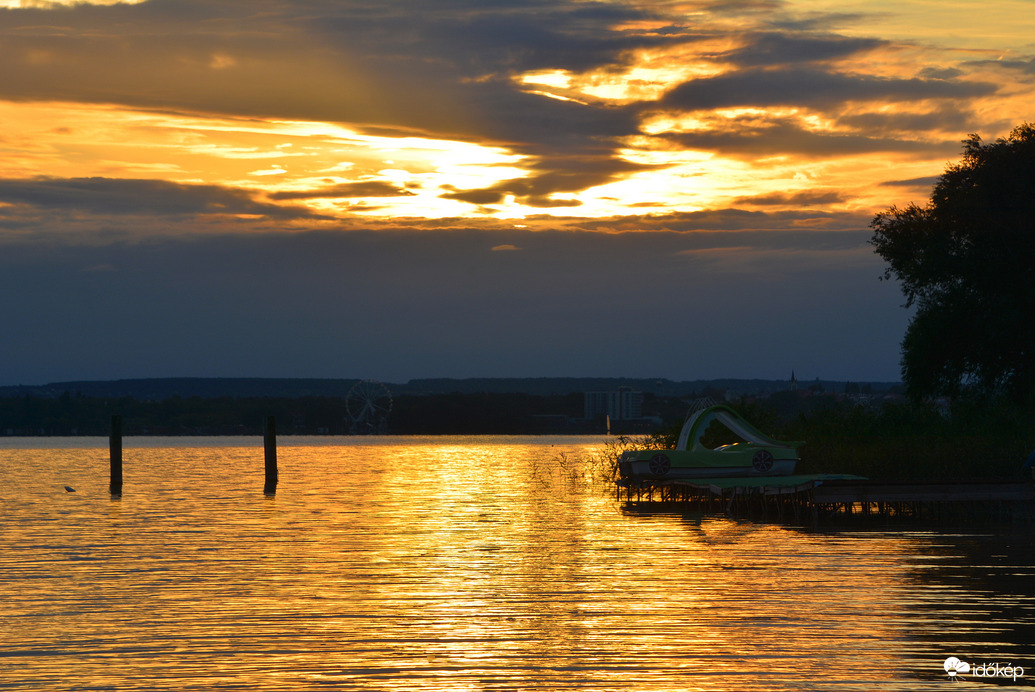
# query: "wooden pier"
813,498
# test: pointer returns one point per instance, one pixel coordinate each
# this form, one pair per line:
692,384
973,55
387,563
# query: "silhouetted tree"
965,260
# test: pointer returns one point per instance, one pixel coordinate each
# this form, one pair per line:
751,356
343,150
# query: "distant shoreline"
537,406
209,387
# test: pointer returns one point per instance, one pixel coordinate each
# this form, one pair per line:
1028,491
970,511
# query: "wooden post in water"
115,455
270,443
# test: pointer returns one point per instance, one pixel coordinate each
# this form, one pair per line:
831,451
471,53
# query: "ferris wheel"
368,404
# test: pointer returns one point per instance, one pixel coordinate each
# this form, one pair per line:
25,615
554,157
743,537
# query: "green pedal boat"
756,455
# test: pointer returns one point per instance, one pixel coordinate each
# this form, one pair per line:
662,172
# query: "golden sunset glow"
647,78
690,156
270,157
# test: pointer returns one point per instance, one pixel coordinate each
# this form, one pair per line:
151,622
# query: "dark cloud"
805,199
118,196
373,188
812,88
742,7
479,197
476,38
772,48
499,194
780,135
729,221
927,181
545,202
940,73
1024,66
555,175
820,22
950,117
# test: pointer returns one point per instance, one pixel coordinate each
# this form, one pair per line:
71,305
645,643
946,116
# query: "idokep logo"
955,668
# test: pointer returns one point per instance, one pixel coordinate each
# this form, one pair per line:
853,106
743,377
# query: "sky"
395,189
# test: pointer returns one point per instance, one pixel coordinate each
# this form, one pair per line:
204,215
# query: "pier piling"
270,444
115,456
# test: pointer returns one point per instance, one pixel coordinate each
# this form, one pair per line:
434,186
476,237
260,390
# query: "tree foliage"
965,261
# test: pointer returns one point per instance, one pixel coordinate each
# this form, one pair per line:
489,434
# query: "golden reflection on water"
453,564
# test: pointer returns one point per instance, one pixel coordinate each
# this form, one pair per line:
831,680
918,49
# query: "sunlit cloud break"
662,108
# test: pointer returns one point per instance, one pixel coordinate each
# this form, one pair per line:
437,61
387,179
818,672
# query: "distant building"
624,404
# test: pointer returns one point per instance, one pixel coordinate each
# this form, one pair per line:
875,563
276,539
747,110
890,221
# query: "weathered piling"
270,444
115,456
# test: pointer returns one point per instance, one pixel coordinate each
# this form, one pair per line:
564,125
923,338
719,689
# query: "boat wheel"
659,464
762,461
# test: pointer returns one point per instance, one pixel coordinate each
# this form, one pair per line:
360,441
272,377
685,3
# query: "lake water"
466,564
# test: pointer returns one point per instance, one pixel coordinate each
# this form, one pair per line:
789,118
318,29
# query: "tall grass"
596,469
